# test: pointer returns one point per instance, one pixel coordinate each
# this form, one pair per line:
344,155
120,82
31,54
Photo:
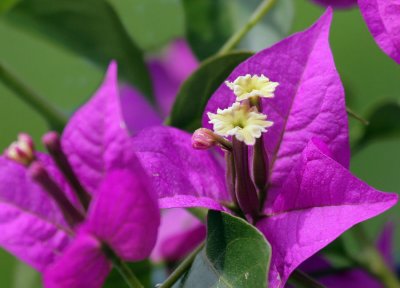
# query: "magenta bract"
337,3
123,214
312,197
383,21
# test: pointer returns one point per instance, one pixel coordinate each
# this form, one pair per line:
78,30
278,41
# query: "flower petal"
125,214
382,18
169,72
385,244
179,234
317,203
83,265
337,3
182,176
96,139
347,279
136,110
308,102
32,227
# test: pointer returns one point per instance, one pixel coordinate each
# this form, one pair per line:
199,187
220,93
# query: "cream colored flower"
248,86
241,121
22,150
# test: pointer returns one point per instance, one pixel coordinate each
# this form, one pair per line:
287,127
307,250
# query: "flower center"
245,87
240,121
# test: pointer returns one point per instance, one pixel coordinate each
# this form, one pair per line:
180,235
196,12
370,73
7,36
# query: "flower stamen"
245,87
240,121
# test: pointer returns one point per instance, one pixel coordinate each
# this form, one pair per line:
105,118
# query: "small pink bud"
37,171
22,150
52,141
203,139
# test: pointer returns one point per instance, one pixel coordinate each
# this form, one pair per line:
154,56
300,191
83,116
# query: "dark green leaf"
384,122
142,271
198,88
7,4
236,255
90,28
151,23
208,26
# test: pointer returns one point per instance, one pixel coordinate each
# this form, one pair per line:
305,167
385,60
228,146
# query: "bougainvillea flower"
60,213
124,217
311,197
337,3
383,21
382,18
317,265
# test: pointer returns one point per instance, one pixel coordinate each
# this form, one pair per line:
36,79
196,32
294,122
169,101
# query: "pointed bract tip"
327,16
112,71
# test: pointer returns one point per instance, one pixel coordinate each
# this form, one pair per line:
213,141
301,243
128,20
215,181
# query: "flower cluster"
94,200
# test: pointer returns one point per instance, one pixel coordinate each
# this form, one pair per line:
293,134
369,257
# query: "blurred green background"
68,80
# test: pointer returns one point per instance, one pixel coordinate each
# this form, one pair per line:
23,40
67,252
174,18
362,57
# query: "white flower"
241,121
248,86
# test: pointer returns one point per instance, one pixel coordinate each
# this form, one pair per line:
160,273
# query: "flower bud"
51,141
203,139
22,150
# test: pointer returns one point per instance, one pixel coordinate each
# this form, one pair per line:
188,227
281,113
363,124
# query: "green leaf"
5,5
142,271
151,23
26,277
208,26
384,122
198,88
236,255
90,28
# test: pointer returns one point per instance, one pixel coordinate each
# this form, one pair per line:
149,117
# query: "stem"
258,14
304,280
182,268
356,116
52,114
371,260
122,268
